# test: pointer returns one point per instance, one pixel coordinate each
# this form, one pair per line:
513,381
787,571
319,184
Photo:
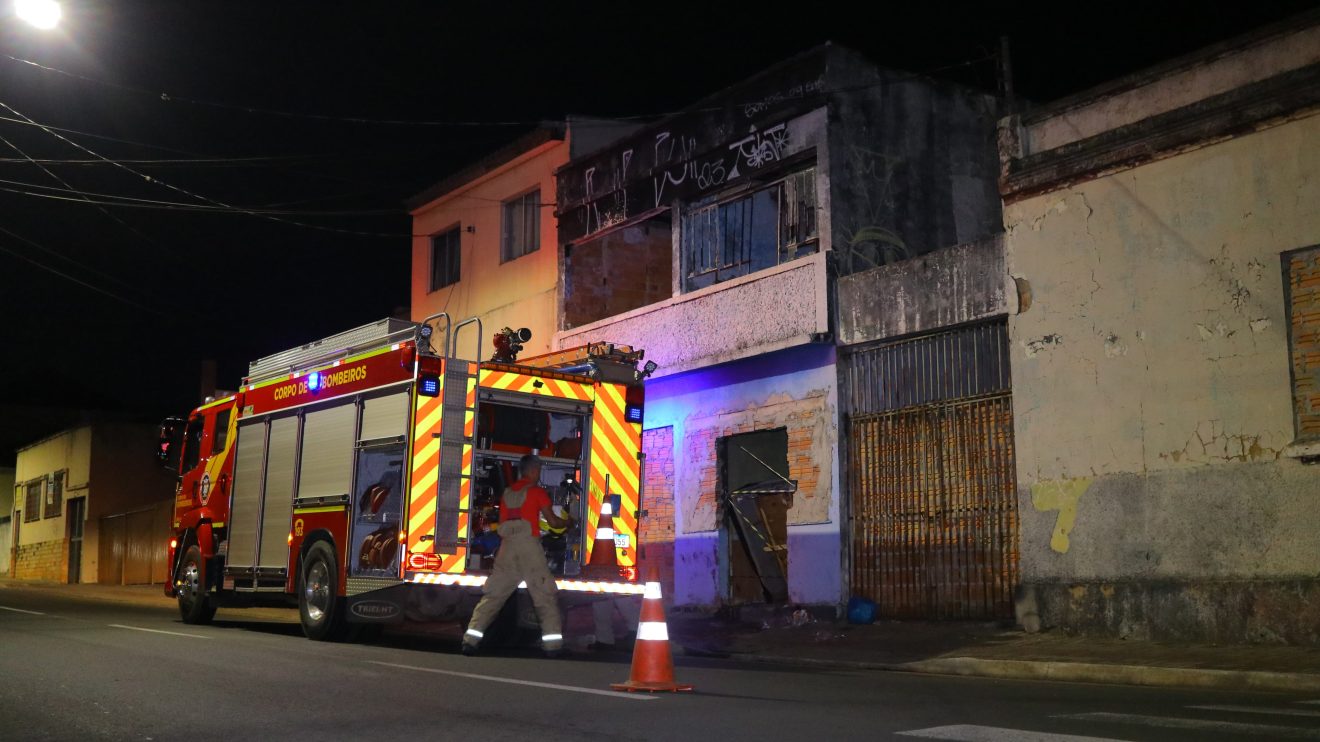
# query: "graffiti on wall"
1061,496
869,239
699,175
690,155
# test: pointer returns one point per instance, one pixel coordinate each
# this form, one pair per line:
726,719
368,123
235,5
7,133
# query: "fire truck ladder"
453,478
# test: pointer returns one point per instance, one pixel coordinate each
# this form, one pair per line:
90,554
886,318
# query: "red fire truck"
359,476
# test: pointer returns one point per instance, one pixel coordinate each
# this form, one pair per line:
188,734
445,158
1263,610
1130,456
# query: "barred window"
754,231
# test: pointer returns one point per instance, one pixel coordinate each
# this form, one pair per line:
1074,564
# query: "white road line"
20,610
976,733
1258,710
157,631
1169,722
512,681
1313,703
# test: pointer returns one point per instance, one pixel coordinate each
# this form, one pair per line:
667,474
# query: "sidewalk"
989,650
948,648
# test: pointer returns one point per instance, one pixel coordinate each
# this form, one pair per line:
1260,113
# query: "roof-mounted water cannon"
508,344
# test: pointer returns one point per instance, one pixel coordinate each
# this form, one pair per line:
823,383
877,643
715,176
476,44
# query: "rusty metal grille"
934,505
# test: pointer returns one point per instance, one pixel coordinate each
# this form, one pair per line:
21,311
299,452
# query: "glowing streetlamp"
44,14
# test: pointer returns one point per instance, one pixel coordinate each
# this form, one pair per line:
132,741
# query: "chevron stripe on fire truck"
615,444
526,383
425,468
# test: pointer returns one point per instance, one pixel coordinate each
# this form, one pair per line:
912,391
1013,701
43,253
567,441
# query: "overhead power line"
104,199
184,191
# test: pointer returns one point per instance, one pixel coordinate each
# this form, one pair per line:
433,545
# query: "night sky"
253,112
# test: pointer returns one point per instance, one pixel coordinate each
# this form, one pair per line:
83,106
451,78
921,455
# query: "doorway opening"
755,494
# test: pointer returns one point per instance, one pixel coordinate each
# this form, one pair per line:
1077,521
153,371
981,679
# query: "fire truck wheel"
321,610
194,605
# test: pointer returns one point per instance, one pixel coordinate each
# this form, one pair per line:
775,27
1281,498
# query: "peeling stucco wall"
947,287
794,388
1152,395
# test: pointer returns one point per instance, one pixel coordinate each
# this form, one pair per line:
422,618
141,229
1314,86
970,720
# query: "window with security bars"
1303,274
521,226
55,495
32,501
446,258
755,231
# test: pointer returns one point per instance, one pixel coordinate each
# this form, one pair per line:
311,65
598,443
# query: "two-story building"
712,239
91,505
485,236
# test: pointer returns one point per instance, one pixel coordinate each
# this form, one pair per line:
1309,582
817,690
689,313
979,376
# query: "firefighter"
521,559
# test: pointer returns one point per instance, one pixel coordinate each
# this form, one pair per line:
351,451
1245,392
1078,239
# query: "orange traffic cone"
652,665
604,562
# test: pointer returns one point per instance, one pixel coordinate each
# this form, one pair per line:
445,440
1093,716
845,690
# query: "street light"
44,14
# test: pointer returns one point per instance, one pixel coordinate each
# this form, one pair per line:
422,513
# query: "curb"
1070,672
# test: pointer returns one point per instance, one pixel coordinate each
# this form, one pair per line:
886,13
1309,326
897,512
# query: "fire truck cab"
359,476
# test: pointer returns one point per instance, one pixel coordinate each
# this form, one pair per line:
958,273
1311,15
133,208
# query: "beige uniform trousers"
520,559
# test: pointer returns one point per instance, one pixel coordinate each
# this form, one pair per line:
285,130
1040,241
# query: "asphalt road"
74,668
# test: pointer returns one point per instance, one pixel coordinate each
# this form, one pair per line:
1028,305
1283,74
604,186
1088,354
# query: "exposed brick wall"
1304,312
42,561
618,273
657,529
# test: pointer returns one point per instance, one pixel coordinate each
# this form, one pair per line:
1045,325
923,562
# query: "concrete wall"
760,313
1152,393
793,388
1164,90
947,287
518,293
915,165
6,517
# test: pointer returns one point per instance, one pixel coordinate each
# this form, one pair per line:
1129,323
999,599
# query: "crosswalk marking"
977,733
1169,722
1257,710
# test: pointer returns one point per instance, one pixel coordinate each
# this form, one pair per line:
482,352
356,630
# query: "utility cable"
102,209
190,194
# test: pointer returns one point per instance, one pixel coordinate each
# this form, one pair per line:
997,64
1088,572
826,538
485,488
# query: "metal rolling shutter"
385,417
278,508
326,466
245,502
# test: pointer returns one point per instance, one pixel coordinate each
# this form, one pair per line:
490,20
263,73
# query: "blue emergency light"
633,413
428,386
314,380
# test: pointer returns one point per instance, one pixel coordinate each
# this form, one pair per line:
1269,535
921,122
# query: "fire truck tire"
319,608
194,605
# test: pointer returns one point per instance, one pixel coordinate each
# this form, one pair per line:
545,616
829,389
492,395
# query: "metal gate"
931,474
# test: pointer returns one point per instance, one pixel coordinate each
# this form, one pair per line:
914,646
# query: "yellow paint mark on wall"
1061,495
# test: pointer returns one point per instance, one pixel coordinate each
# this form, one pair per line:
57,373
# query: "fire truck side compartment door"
278,504
245,502
325,468
385,417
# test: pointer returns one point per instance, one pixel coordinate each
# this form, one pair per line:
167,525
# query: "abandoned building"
712,239
1162,234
